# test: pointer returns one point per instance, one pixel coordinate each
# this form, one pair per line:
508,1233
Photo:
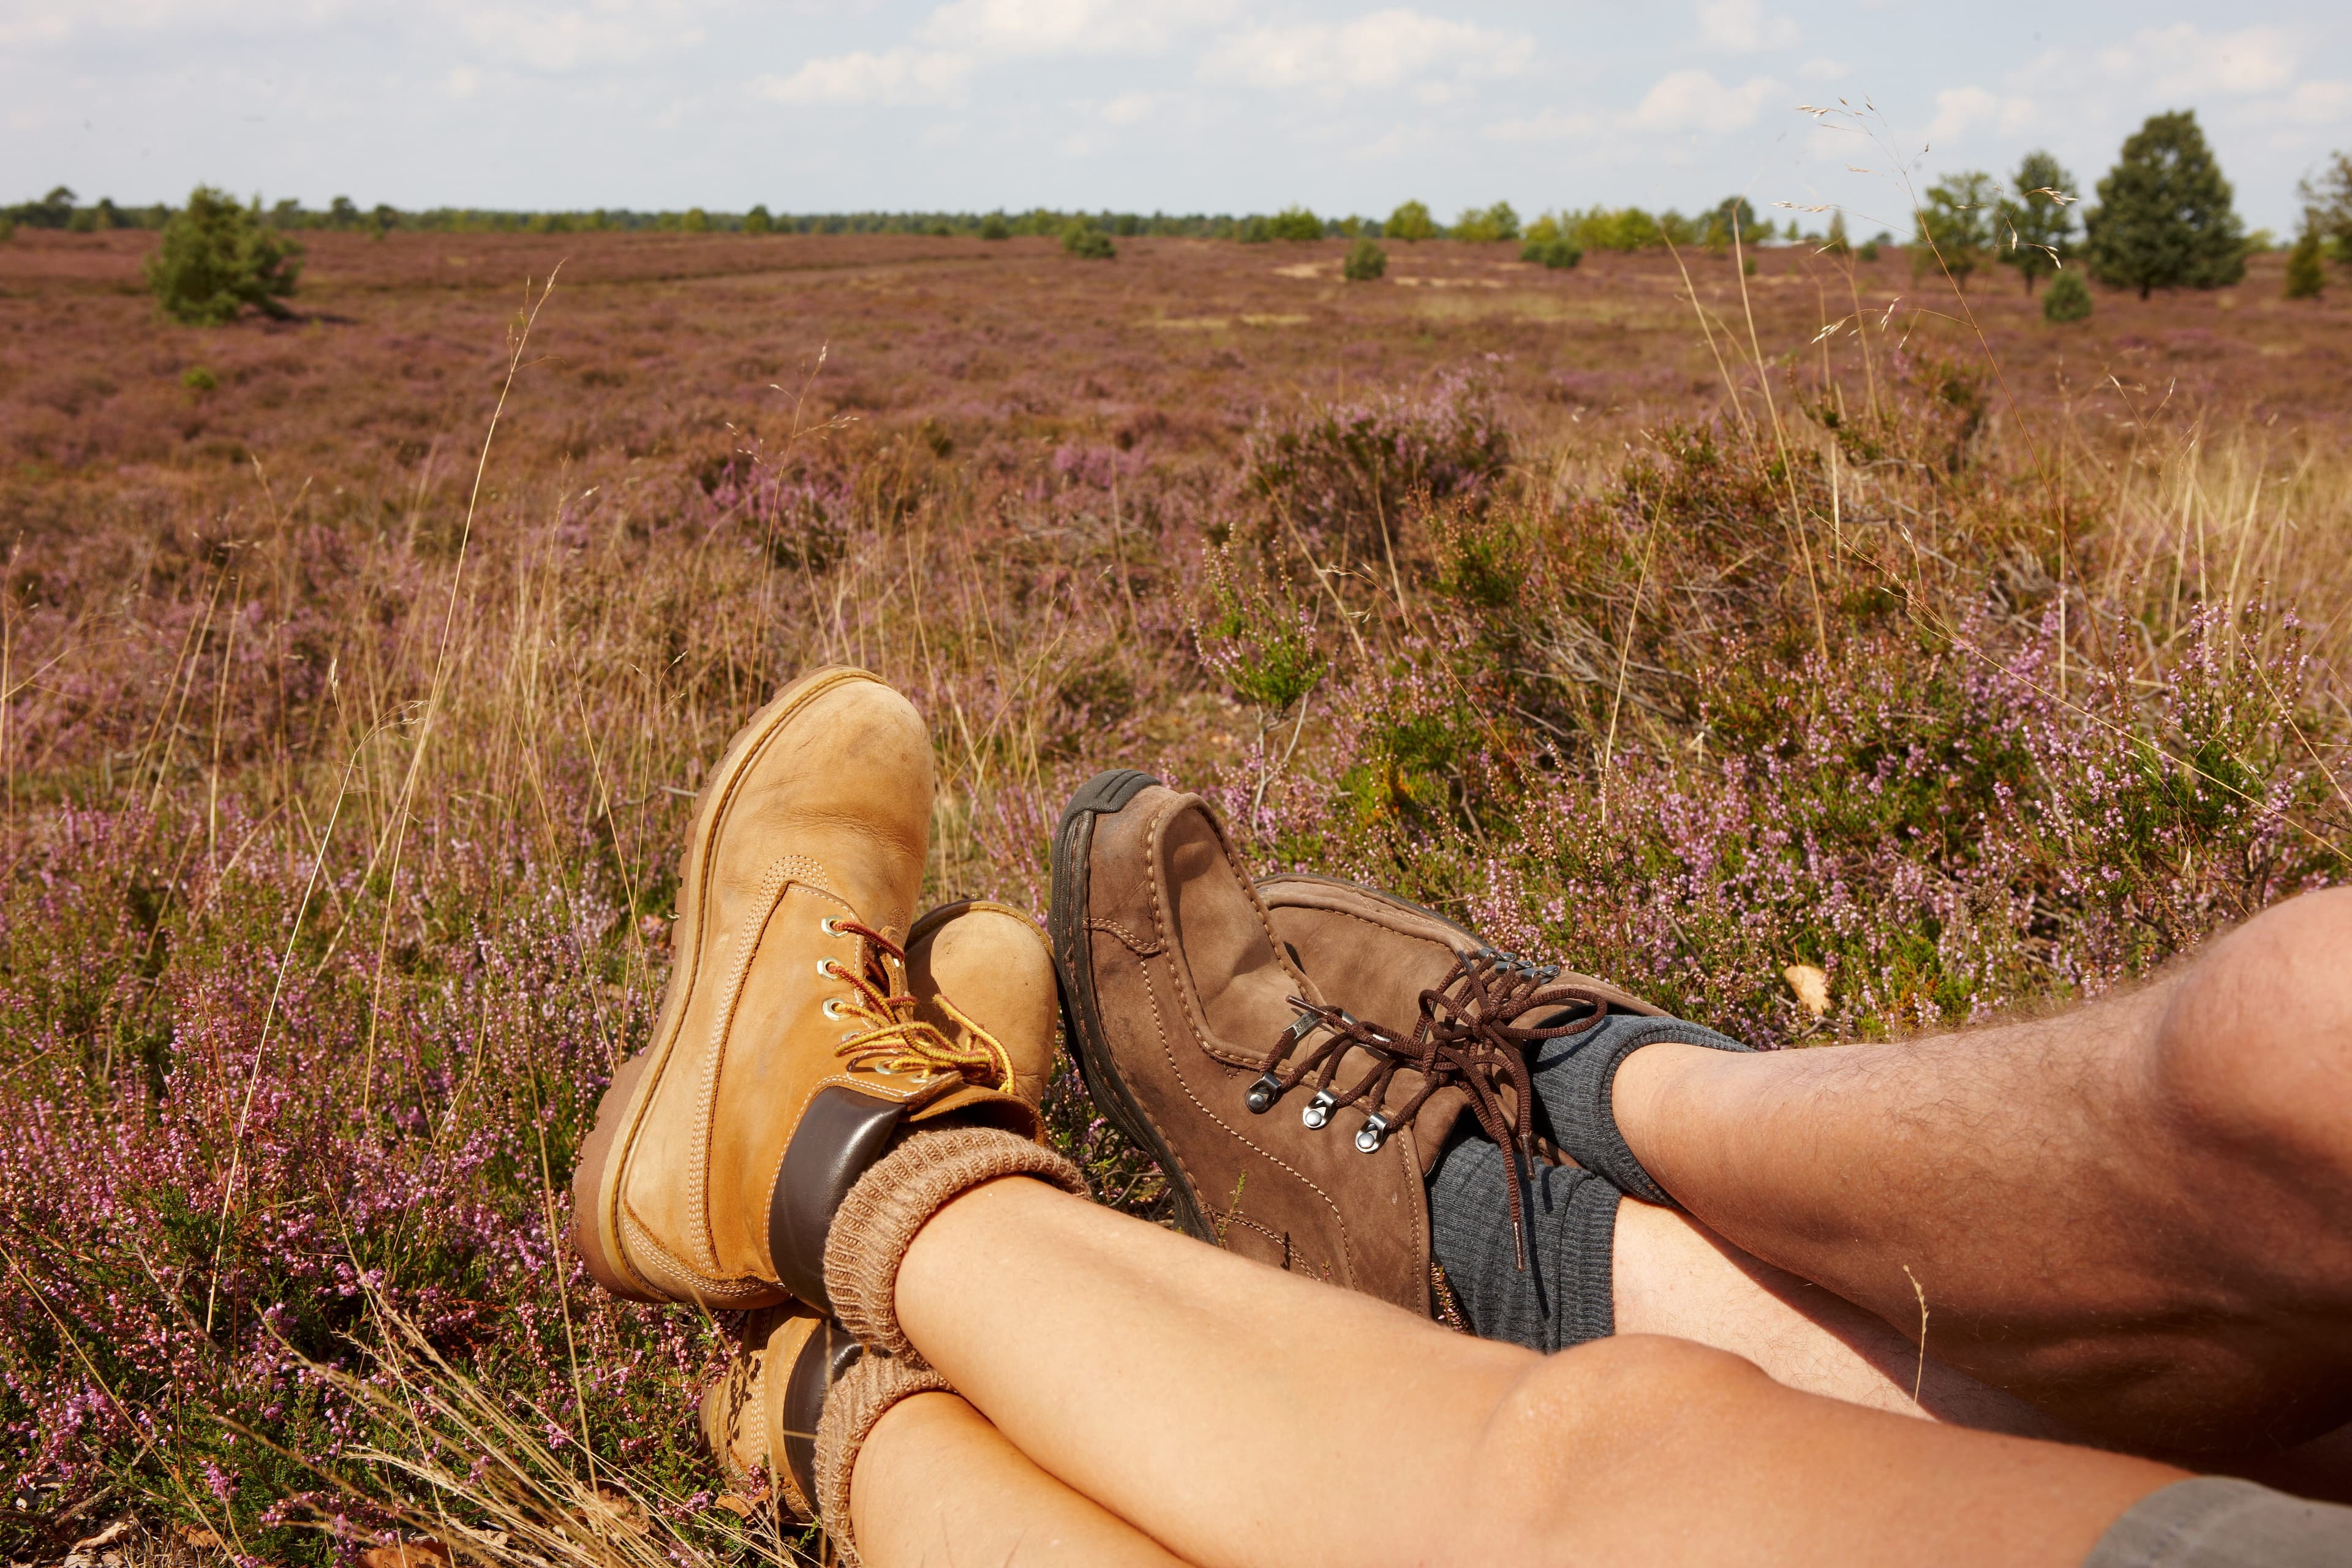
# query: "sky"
1143,105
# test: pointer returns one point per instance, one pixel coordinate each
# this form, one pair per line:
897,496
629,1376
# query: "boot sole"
605,1157
1105,795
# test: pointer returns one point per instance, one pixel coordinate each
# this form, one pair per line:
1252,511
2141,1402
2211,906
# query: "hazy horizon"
1138,105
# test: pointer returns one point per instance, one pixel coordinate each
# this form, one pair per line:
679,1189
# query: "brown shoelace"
1468,1035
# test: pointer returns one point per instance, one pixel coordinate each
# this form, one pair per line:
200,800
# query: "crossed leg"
2132,1214
1236,1414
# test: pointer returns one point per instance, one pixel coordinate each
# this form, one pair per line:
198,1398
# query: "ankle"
1648,1096
898,1199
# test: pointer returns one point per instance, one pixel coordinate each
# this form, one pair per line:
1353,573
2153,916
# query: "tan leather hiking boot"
764,1411
787,1052
1295,1062
982,974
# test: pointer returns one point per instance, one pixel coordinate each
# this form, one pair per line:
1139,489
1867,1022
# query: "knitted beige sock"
879,1219
865,1392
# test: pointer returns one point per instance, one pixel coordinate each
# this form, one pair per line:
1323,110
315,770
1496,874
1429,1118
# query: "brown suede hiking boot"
787,1052
1195,1009
1174,991
1377,953
983,974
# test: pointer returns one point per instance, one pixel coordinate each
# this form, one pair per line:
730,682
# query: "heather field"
359,669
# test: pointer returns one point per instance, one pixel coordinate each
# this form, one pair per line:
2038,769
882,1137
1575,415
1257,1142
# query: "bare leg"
1242,1415
2132,1214
935,1483
1674,1277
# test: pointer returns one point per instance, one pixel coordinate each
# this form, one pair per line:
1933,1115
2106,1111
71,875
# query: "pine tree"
2327,205
1956,225
2305,275
215,257
2165,217
2032,228
1411,221
1836,243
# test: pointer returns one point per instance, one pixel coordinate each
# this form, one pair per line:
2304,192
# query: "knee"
1634,1401
2254,1046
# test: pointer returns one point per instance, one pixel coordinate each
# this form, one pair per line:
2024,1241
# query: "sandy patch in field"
1304,269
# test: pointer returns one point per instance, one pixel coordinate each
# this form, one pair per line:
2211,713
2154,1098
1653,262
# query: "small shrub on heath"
2068,299
1365,261
1088,243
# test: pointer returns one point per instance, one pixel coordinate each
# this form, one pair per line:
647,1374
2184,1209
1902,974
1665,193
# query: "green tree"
1083,240
1410,222
1956,223
2165,217
2069,298
1295,223
696,221
994,226
215,257
1835,242
55,210
1366,261
759,220
2033,225
1733,217
1483,225
2327,204
2306,275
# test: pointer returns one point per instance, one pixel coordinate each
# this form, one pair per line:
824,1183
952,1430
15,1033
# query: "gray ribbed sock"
1563,1296
1574,1078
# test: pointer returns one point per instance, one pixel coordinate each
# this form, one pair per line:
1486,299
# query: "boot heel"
588,1198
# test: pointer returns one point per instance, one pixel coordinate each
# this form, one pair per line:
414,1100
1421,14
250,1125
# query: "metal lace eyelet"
830,925
833,1009
1369,1137
1318,1111
847,1036
829,968
1263,1093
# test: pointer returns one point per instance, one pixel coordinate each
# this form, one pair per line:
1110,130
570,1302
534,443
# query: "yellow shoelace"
896,1040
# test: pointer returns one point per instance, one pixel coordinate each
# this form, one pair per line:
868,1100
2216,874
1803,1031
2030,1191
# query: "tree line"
2164,218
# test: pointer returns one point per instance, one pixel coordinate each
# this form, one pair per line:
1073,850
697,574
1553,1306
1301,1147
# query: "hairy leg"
1242,1415
2132,1213
936,1484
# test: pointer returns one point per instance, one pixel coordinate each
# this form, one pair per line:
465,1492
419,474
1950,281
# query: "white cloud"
1821,67
1695,101
1959,109
551,37
2319,102
1128,108
463,81
894,76
2184,60
1011,28
1380,49
1546,124
1741,27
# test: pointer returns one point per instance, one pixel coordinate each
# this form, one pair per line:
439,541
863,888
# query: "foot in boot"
980,973
1185,1013
788,1051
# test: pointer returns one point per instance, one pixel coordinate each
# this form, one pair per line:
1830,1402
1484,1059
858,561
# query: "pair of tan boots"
810,1021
